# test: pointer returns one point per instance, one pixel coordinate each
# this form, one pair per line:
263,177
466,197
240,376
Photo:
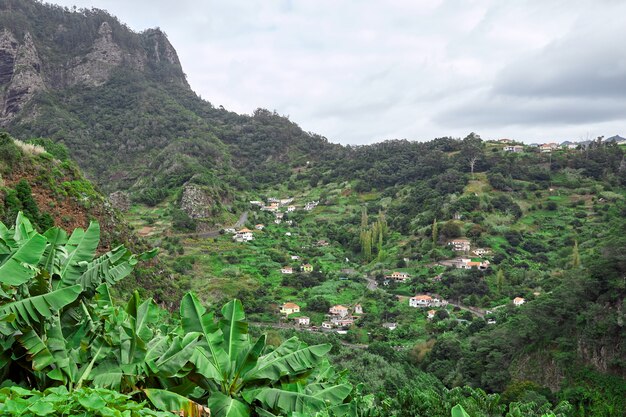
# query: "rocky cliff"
72,48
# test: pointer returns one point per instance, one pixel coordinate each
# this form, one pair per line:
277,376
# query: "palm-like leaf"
224,406
291,401
81,247
42,306
19,268
290,358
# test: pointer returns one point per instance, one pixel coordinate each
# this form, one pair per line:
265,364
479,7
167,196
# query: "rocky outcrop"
23,65
538,367
120,200
8,53
95,68
196,202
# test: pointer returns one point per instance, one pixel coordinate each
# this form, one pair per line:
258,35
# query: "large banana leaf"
170,401
57,238
24,230
81,247
458,411
38,352
290,401
42,306
20,267
235,329
224,406
290,358
194,318
109,268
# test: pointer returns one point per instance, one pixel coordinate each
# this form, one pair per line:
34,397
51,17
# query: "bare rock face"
95,68
120,200
21,73
196,202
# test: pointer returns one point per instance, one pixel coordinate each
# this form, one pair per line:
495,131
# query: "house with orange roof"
289,308
338,310
518,301
424,300
286,270
243,235
431,314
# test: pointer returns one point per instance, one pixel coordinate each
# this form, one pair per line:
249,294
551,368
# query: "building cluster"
338,317
425,300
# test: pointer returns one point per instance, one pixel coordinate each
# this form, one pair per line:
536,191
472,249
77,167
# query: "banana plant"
45,281
239,375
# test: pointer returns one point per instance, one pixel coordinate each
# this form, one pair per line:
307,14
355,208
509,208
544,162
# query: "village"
340,318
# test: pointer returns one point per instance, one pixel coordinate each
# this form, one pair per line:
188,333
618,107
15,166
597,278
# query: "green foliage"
58,150
17,401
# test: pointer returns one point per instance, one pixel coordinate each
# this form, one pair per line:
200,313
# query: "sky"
363,71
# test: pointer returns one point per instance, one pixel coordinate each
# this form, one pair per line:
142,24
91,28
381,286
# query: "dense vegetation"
552,225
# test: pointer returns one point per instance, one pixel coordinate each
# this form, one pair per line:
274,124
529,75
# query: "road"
242,220
372,285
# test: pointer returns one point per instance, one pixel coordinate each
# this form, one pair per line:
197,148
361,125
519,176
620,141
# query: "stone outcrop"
120,200
21,74
196,202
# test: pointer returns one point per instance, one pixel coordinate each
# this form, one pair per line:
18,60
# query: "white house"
481,251
243,235
518,301
259,227
514,148
256,203
295,258
279,215
390,326
291,208
286,270
398,276
303,321
422,300
289,308
460,244
358,309
339,310
327,325
277,221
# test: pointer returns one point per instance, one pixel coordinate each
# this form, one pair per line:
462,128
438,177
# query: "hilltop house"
422,300
506,140
548,147
514,148
306,268
398,276
459,244
339,310
518,301
286,270
243,235
289,308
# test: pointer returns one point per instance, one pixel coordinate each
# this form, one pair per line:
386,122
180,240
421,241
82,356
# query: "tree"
575,256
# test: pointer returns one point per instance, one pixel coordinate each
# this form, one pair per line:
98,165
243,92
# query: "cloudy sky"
360,71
